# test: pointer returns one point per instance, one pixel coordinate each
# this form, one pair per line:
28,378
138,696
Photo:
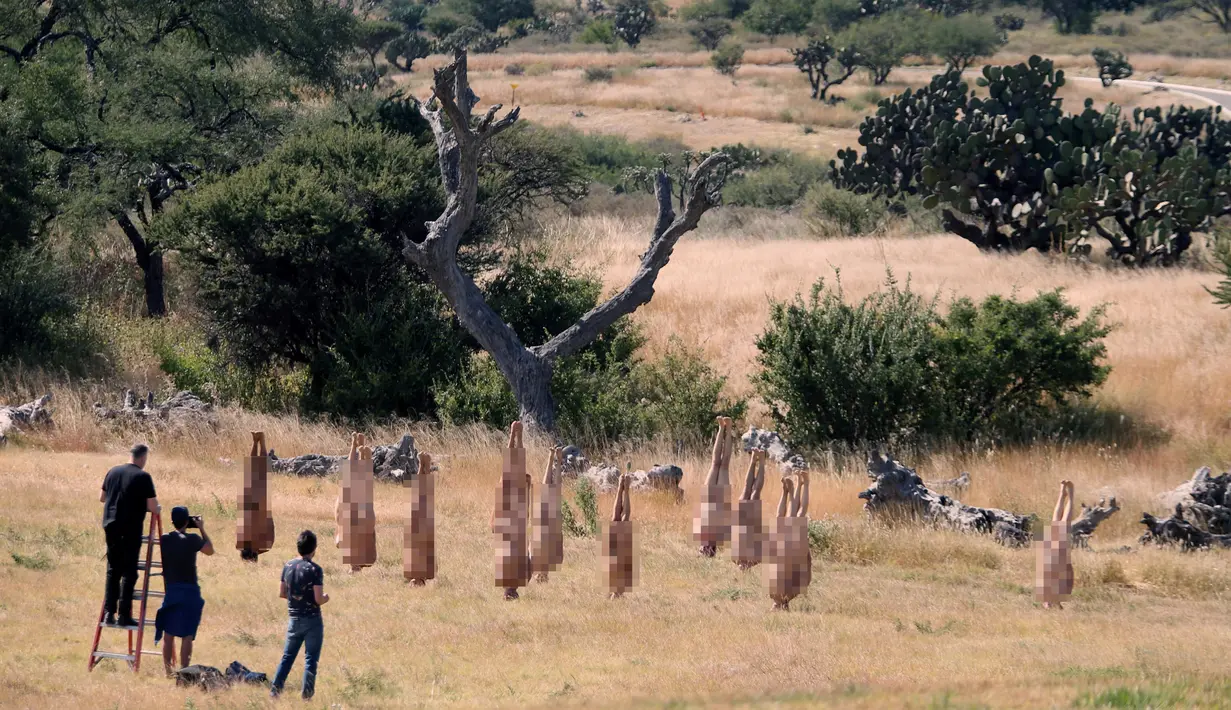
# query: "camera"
194,521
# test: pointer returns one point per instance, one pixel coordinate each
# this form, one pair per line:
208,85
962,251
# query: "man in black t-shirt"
303,589
128,493
180,614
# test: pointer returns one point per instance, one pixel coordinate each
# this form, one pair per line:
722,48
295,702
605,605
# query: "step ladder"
136,634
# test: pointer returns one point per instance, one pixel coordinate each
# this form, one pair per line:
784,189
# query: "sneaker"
127,621
109,619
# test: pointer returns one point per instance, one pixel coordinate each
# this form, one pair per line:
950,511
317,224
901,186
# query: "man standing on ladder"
128,493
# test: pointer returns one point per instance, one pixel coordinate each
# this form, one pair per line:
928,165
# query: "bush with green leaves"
728,58
834,212
1112,66
595,75
892,369
603,394
40,323
1079,16
599,31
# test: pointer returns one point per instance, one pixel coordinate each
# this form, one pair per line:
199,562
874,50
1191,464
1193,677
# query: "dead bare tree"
459,141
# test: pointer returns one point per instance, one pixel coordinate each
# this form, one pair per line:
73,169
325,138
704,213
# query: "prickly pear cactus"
894,138
991,165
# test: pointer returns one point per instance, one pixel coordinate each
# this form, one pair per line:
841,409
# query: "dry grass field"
767,105
896,617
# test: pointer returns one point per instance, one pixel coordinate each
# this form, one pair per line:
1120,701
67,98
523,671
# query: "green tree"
297,263
826,65
774,18
883,42
132,102
633,20
961,40
372,37
1215,12
709,32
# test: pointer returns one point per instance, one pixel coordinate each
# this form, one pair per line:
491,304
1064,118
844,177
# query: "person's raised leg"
294,639
1058,514
314,638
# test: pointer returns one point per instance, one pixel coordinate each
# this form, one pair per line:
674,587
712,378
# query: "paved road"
1208,95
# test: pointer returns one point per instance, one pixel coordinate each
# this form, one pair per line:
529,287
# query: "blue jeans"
310,633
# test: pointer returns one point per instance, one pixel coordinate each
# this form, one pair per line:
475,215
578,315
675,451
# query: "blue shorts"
180,613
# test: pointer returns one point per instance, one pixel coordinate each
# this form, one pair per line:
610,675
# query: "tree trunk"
149,258
531,382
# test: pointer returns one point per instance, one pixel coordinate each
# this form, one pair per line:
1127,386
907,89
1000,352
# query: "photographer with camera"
180,613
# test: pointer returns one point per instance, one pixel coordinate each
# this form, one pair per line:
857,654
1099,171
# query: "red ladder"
142,595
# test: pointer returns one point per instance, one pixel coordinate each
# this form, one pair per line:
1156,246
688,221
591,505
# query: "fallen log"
393,462
1178,531
179,409
27,416
1090,519
897,491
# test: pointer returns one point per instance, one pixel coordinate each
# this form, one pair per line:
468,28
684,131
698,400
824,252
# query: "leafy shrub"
40,324
603,394
633,20
831,371
514,70
728,58
832,211
1112,65
587,503
210,375
770,187
598,74
892,369
607,157
600,31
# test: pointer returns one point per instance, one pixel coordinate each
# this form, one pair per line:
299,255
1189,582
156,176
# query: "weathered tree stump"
897,492
1178,531
1090,519
25,417
1201,517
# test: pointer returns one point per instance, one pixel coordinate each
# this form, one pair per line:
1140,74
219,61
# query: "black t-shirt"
127,490
301,576
179,557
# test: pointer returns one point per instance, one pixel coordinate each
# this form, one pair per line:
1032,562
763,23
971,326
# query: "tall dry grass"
896,616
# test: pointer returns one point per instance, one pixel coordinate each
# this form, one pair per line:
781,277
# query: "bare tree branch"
700,195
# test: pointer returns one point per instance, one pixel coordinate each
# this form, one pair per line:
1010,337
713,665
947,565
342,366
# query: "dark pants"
123,550
309,633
